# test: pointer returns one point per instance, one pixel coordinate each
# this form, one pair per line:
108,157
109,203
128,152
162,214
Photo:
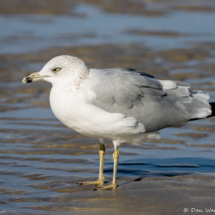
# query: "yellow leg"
113,185
101,167
101,178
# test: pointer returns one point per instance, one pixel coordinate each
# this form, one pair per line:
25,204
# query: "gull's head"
62,69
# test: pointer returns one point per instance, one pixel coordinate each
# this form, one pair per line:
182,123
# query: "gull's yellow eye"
57,69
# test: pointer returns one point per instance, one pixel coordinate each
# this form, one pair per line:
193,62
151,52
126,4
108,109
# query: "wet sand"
141,195
41,160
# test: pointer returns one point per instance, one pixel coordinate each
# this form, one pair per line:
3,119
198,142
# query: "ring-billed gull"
120,104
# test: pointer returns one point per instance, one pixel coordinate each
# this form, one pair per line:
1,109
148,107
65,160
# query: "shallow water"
28,32
41,159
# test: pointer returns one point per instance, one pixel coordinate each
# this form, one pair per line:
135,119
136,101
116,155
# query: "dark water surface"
40,159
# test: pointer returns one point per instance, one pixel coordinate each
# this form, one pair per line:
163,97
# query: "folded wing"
154,103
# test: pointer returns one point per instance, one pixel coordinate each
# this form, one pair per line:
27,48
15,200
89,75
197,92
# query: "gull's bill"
32,78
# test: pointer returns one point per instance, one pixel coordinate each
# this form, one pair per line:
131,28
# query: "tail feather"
193,102
212,104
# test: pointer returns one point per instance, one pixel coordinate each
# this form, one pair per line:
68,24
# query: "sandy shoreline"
181,194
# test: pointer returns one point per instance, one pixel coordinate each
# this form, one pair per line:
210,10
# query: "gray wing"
129,70
154,103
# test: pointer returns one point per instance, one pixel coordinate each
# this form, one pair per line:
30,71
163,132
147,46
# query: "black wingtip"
212,104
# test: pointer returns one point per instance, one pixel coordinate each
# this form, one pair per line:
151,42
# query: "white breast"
74,108
65,104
